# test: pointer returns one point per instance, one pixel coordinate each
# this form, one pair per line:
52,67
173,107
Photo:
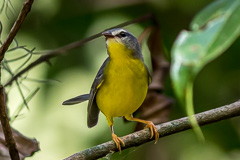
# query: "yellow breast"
125,83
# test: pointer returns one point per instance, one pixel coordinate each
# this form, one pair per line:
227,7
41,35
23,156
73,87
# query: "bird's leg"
116,139
149,125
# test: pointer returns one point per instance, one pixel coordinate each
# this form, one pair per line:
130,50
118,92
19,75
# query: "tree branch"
53,53
9,139
165,129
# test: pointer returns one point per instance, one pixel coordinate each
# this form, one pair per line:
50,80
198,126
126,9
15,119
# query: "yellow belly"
123,89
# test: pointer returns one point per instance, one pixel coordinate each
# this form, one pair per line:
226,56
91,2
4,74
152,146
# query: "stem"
190,111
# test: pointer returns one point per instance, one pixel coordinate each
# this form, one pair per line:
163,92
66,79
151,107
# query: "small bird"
120,85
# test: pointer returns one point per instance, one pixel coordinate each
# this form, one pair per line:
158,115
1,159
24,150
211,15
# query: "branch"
53,53
165,129
22,15
9,139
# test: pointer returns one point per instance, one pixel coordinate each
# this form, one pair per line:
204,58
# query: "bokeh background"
62,130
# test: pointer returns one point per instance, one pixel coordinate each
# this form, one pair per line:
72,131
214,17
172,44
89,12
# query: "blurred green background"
62,130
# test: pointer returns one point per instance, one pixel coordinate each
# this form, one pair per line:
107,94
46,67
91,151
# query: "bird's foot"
118,141
153,130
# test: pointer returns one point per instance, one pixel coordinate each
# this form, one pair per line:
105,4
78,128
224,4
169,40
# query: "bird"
121,84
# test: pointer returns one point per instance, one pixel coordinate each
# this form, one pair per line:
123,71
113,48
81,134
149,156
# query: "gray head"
123,36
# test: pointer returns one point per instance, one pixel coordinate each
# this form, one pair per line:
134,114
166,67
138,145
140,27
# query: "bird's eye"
122,34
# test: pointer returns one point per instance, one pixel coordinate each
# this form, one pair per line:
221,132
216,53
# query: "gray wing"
93,110
149,75
76,100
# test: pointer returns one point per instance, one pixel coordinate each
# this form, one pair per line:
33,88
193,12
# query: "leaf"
212,11
47,81
26,146
1,28
194,49
214,30
19,108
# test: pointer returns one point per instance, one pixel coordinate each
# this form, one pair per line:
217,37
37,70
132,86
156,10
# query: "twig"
22,15
165,129
9,139
144,34
53,53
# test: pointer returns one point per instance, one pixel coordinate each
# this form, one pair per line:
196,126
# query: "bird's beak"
108,34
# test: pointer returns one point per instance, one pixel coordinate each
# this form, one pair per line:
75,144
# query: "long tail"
76,100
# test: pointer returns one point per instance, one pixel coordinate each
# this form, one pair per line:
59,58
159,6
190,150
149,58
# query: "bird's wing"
149,75
76,100
93,110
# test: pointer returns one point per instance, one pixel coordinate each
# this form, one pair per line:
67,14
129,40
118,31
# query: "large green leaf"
213,30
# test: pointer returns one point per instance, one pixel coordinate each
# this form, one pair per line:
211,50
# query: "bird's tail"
76,100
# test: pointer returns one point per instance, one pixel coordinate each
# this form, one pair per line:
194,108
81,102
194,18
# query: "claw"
118,141
153,130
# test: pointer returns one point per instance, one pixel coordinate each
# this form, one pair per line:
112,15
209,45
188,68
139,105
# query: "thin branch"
53,53
144,34
24,11
165,129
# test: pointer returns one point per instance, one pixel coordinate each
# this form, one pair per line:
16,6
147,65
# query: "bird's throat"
118,50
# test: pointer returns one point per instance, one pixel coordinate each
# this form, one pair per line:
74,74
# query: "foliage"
213,30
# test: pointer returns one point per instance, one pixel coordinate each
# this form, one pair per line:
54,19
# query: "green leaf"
212,11
214,30
194,49
20,107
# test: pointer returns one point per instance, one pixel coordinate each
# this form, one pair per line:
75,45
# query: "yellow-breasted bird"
120,85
